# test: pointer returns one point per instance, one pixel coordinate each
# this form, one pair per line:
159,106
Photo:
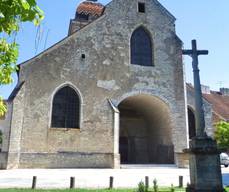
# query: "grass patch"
66,190
161,189
86,190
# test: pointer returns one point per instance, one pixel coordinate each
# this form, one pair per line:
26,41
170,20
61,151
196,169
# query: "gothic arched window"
141,48
66,109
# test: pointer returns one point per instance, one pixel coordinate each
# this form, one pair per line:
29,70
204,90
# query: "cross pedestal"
204,162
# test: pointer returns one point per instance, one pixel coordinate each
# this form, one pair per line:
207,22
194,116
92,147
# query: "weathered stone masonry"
104,79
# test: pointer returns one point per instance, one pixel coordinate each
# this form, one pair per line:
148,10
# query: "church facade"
113,92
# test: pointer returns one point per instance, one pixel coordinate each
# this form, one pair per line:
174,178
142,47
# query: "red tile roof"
93,8
220,104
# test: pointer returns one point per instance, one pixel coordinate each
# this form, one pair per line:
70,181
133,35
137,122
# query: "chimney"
224,91
205,89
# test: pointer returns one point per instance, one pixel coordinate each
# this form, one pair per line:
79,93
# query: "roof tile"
93,8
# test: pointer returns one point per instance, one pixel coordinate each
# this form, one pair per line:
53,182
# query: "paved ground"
95,178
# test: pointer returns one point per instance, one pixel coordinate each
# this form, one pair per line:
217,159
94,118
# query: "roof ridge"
164,10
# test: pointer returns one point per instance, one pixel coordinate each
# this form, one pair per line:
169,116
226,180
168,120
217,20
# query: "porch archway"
145,131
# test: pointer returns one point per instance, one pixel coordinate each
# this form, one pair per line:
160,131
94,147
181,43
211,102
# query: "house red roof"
220,105
219,102
90,7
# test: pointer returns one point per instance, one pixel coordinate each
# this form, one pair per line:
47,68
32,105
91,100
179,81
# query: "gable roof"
164,10
100,10
160,7
220,104
59,42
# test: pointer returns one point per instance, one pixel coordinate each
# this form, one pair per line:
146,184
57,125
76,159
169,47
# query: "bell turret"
86,12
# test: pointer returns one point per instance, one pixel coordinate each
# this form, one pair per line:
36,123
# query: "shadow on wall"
191,123
145,131
1,139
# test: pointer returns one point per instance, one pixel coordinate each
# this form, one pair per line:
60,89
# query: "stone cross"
199,112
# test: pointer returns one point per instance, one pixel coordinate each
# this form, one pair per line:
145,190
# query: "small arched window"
191,123
66,109
141,48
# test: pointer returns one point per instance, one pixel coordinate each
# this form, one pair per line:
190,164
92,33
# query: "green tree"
222,134
12,14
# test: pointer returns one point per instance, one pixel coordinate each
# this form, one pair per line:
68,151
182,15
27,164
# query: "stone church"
112,92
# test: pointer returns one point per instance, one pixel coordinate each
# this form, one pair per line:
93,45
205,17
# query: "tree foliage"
222,134
12,14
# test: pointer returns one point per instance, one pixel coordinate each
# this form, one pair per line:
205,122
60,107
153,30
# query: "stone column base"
190,189
182,160
13,160
3,160
116,164
205,170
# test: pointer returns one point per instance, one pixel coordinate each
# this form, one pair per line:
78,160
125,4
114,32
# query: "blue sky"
207,21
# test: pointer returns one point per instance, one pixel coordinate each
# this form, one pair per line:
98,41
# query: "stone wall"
3,160
207,110
5,128
15,134
66,160
182,159
104,73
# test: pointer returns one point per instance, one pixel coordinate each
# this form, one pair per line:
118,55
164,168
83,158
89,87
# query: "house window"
66,109
141,7
141,48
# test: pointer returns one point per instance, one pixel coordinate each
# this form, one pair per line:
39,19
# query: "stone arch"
145,131
67,83
142,92
146,30
191,122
